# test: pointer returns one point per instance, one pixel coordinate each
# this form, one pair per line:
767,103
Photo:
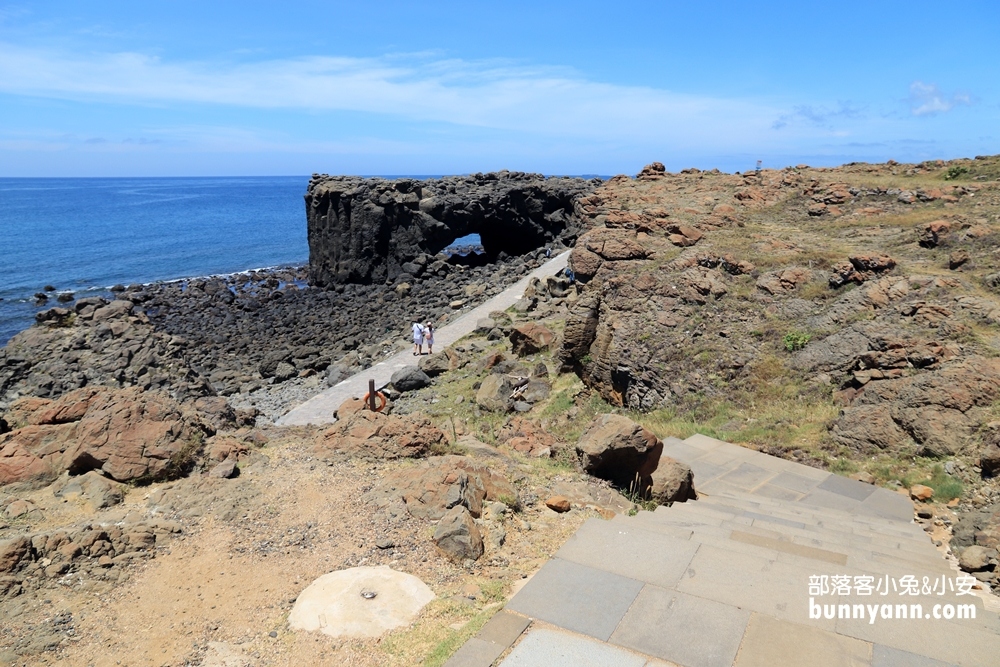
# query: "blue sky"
259,88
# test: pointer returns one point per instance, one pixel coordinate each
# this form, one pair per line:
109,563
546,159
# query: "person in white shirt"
418,338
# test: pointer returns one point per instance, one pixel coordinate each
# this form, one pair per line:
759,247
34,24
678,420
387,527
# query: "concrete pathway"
770,566
320,408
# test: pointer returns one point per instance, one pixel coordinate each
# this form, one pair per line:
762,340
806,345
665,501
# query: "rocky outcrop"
27,560
932,414
617,449
372,230
429,490
375,435
125,433
97,343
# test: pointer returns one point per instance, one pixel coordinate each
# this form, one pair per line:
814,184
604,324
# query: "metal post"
371,395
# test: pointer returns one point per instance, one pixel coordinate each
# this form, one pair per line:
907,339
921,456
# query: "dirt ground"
220,592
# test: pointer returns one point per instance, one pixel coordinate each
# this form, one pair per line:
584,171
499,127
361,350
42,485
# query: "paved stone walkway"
725,580
320,408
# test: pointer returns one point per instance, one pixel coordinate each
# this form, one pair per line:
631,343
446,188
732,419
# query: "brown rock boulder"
921,492
494,393
617,449
436,486
785,280
93,487
932,234
457,535
376,435
934,413
558,504
125,433
672,481
603,244
12,552
530,338
683,235
526,437
652,172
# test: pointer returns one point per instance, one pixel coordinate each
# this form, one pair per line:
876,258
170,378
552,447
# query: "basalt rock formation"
868,289
373,230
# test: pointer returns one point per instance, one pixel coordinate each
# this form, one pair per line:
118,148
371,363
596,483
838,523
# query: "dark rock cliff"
365,230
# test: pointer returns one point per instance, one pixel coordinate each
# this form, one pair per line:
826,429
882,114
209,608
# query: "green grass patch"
945,486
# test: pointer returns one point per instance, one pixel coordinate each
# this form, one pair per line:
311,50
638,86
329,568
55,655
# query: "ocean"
84,235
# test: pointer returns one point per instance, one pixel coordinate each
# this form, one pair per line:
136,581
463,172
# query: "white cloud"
498,95
927,99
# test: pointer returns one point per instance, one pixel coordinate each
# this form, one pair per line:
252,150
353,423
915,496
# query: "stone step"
891,535
909,549
798,511
785,548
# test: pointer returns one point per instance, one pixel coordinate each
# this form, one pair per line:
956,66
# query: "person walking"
418,338
429,337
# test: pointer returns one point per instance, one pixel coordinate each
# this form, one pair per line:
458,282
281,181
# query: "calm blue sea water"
86,234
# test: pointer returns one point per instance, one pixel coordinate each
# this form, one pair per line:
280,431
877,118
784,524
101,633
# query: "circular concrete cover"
341,604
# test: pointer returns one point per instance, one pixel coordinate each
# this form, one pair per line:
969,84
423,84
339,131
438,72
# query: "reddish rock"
351,406
12,552
126,433
527,437
728,263
779,282
652,172
724,211
683,235
380,436
957,259
558,504
921,492
530,338
932,234
603,244
861,268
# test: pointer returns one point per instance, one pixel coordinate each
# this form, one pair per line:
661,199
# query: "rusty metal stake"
371,395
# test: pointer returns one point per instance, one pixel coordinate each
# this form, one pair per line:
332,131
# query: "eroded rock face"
370,230
125,433
932,414
379,436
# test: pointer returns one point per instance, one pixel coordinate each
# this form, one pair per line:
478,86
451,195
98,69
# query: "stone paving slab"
724,580
790,548
958,642
888,504
625,550
770,642
499,633
685,629
847,487
475,653
320,408
582,599
551,648
753,583
883,656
